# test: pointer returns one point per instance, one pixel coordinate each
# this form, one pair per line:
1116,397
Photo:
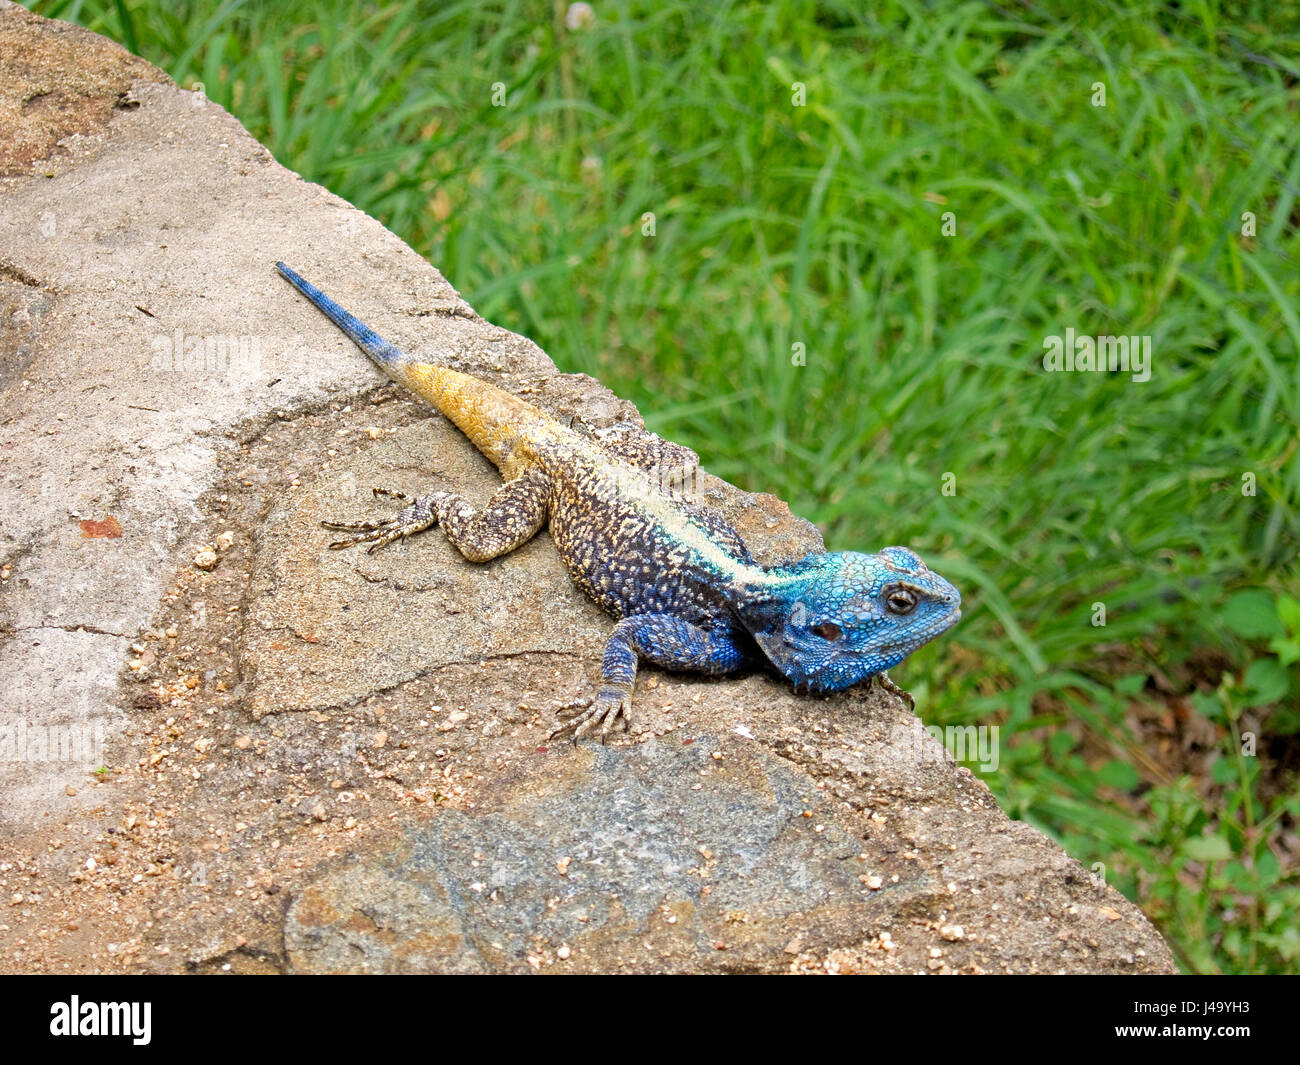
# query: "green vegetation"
1172,503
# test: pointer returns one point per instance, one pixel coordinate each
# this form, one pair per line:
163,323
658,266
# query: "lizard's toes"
353,526
392,494
572,710
888,685
375,533
406,522
621,707
569,720
611,704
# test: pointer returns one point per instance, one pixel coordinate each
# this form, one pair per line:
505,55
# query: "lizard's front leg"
663,639
888,685
511,517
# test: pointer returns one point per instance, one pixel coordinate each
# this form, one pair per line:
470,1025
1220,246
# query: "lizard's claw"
408,521
613,702
883,680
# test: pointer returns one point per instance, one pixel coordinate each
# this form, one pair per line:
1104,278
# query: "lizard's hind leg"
511,517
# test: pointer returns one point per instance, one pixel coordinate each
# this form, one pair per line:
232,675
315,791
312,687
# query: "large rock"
323,761
713,852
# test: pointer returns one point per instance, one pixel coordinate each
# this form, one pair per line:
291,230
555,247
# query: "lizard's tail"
387,355
491,418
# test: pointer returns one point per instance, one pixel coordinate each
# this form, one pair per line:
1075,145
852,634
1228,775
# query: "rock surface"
300,760
713,854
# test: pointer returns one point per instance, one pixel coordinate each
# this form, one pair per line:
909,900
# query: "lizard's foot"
613,701
883,680
408,521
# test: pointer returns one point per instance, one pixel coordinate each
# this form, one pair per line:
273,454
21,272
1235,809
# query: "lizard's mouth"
914,639
829,668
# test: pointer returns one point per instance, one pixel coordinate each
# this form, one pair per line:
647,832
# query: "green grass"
821,225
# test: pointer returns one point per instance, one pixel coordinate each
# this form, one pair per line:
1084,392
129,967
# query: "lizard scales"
685,590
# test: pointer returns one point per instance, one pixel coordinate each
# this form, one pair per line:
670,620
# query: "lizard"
685,591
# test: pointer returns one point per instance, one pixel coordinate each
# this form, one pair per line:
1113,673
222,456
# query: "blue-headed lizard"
685,591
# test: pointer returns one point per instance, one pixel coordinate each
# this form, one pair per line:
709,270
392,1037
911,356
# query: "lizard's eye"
901,601
827,630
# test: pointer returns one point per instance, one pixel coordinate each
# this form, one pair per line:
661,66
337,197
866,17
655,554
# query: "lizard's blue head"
833,620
